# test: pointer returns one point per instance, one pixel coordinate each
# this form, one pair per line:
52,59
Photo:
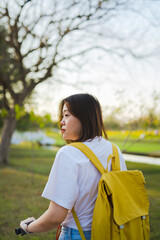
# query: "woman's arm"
54,216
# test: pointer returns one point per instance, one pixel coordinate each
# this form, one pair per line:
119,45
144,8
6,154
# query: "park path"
141,159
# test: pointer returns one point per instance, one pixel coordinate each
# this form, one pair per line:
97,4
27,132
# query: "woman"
73,176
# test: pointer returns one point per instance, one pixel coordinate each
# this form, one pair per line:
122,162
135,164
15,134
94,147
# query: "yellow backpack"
122,206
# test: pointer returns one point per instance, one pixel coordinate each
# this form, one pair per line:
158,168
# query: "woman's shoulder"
66,149
97,141
69,152
66,157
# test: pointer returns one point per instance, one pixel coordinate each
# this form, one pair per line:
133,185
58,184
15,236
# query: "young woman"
73,180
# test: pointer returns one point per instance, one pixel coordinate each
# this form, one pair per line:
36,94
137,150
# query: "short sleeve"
62,185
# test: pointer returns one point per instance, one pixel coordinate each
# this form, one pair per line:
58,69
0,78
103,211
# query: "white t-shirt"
73,180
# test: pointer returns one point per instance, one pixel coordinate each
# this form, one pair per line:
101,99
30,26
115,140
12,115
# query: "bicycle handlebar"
20,231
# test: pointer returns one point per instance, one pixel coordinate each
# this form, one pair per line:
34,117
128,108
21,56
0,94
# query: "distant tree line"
149,121
32,121
146,116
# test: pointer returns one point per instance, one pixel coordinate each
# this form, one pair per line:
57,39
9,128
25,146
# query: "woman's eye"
66,115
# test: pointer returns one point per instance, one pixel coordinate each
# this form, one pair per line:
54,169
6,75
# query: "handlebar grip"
20,231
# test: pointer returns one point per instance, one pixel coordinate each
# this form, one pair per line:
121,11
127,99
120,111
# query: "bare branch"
25,3
36,46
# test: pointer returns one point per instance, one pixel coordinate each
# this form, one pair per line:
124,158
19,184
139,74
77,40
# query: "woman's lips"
63,130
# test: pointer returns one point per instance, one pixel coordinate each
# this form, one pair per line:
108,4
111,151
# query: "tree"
36,38
33,40
149,115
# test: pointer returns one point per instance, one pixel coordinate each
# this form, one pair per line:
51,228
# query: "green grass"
19,199
152,177
32,159
134,143
139,147
23,182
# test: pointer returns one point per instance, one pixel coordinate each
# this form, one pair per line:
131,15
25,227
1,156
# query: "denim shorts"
73,234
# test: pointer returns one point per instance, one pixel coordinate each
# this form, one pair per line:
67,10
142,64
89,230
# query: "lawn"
138,141
152,177
23,182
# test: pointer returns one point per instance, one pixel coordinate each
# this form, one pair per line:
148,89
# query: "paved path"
141,159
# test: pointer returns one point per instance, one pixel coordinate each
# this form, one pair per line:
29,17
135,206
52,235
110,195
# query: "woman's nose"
62,121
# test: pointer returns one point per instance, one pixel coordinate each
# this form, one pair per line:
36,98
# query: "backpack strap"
144,227
92,157
115,158
78,224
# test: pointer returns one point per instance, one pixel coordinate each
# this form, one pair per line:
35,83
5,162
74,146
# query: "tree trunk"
7,131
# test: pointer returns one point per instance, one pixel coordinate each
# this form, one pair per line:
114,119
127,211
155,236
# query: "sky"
115,78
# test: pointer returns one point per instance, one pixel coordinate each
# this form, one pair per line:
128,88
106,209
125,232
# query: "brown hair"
88,110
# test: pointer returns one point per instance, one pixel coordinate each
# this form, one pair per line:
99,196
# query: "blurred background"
52,49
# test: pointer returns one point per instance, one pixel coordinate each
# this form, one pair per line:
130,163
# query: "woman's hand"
50,219
24,224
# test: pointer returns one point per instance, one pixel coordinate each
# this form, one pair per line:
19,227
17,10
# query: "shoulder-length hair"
87,109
